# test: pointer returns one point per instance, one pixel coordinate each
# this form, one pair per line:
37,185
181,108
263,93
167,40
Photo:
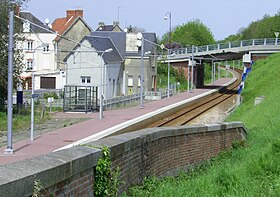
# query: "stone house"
71,30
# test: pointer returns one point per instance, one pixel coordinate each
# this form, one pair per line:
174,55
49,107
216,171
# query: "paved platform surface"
59,138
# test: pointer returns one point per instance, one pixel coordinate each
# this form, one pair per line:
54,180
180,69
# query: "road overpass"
245,50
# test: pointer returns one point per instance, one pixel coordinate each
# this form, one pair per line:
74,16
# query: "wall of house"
77,32
133,69
86,63
44,61
150,152
113,80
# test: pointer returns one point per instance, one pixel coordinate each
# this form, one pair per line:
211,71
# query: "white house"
95,62
39,55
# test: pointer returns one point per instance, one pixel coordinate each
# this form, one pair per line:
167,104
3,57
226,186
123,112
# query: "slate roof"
107,27
119,39
101,44
30,17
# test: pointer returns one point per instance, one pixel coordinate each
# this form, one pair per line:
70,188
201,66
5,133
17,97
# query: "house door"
47,83
114,87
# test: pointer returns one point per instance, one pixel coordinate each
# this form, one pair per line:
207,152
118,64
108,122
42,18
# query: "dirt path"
58,120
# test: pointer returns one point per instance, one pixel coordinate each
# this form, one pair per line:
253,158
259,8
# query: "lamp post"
276,35
168,72
33,95
101,83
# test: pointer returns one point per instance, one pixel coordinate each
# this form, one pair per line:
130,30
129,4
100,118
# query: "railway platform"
94,128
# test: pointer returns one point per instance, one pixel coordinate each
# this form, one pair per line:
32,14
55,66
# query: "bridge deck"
94,128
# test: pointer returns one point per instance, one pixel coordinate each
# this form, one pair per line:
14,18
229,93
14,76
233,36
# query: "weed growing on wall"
106,180
37,189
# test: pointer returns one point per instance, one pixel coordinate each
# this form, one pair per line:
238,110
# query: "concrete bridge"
245,50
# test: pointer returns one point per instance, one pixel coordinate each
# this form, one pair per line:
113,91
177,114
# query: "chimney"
116,23
101,24
74,13
17,10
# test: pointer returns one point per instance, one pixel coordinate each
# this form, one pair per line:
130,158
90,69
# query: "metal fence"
128,100
229,45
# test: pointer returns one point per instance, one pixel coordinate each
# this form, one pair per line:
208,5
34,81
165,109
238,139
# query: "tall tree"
5,7
191,33
263,28
135,29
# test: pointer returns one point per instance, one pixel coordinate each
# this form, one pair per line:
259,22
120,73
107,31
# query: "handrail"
229,45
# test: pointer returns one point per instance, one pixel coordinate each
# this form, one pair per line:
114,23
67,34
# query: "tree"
193,33
135,29
231,38
5,7
263,28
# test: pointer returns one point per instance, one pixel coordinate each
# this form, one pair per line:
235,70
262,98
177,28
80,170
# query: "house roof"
119,39
108,28
30,17
101,44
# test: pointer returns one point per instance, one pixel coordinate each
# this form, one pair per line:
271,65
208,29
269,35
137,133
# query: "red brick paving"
53,140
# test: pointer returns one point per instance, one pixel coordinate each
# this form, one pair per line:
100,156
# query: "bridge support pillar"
199,75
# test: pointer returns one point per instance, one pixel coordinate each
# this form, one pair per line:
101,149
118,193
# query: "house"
39,55
89,63
71,30
114,27
126,45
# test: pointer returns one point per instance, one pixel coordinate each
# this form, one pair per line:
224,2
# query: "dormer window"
26,27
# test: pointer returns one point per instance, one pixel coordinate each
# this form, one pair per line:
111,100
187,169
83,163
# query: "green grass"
252,170
208,74
22,119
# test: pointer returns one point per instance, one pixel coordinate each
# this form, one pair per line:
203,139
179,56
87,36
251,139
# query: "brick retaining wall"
150,152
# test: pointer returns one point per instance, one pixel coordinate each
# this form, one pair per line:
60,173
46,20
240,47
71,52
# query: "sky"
222,17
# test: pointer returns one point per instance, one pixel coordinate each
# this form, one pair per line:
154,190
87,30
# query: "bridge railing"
228,45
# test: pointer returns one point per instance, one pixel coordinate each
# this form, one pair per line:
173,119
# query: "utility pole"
192,82
9,149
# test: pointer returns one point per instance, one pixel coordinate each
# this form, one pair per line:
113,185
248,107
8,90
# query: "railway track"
196,109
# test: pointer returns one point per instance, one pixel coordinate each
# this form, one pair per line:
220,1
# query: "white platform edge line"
120,126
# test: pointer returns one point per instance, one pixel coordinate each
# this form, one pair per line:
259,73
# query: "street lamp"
33,95
101,83
168,74
276,35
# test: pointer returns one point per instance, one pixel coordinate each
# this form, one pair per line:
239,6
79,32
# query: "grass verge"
250,170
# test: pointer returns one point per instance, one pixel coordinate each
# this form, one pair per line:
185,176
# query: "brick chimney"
74,13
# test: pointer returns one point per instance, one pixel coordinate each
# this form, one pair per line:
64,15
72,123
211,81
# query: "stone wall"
149,152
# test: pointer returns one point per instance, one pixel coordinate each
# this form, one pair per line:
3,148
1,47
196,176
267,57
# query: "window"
130,81
29,45
85,80
154,77
46,47
139,81
29,65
